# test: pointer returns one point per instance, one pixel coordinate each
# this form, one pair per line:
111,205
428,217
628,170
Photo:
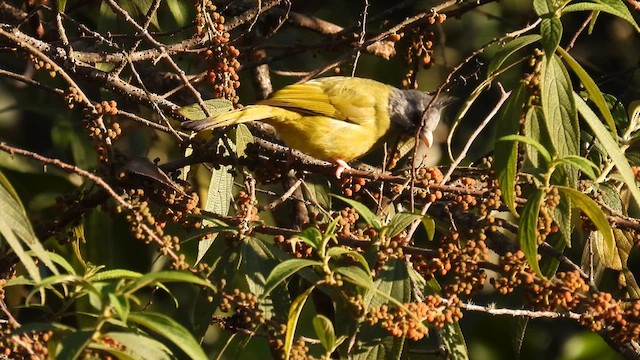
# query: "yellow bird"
337,119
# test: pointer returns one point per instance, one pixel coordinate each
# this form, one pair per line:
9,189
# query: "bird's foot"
342,166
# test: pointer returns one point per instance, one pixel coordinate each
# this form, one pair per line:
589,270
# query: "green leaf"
325,332
215,107
592,89
167,276
399,222
374,342
285,269
551,31
120,305
72,345
613,7
505,153
542,7
16,228
310,236
509,49
559,108
292,320
529,141
218,202
243,138
369,217
170,330
356,275
339,250
454,341
180,12
528,229
597,217
258,262
114,274
429,226
582,164
139,346
611,147
562,214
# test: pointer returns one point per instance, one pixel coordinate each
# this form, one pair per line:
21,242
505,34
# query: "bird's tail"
244,115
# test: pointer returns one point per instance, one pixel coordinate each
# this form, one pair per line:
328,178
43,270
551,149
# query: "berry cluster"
221,57
408,321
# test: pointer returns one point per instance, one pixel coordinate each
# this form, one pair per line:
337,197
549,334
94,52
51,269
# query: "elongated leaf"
325,332
167,276
339,250
25,260
611,147
592,89
613,7
258,262
580,163
454,341
356,275
551,31
218,201
292,320
529,141
429,226
141,347
597,217
375,342
170,330
285,269
511,48
399,222
368,216
559,108
215,107
243,138
310,236
72,345
16,222
505,153
542,7
115,274
528,229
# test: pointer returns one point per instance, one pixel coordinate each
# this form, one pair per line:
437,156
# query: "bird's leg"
342,166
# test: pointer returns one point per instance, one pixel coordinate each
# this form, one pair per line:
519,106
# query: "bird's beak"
427,137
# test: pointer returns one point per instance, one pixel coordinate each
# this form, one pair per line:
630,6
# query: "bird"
338,119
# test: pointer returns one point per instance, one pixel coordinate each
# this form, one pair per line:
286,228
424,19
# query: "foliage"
109,251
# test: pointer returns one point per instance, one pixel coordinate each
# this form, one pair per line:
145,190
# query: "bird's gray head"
406,109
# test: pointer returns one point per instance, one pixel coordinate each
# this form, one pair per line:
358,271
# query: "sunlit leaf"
505,153
611,147
292,320
170,330
509,49
551,31
325,332
559,108
72,345
528,229
592,89
613,7
285,269
369,217
215,107
400,221
597,217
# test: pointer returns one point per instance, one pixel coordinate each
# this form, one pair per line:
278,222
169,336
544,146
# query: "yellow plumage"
326,118
336,119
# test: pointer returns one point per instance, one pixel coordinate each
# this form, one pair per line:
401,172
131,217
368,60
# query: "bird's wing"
346,99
